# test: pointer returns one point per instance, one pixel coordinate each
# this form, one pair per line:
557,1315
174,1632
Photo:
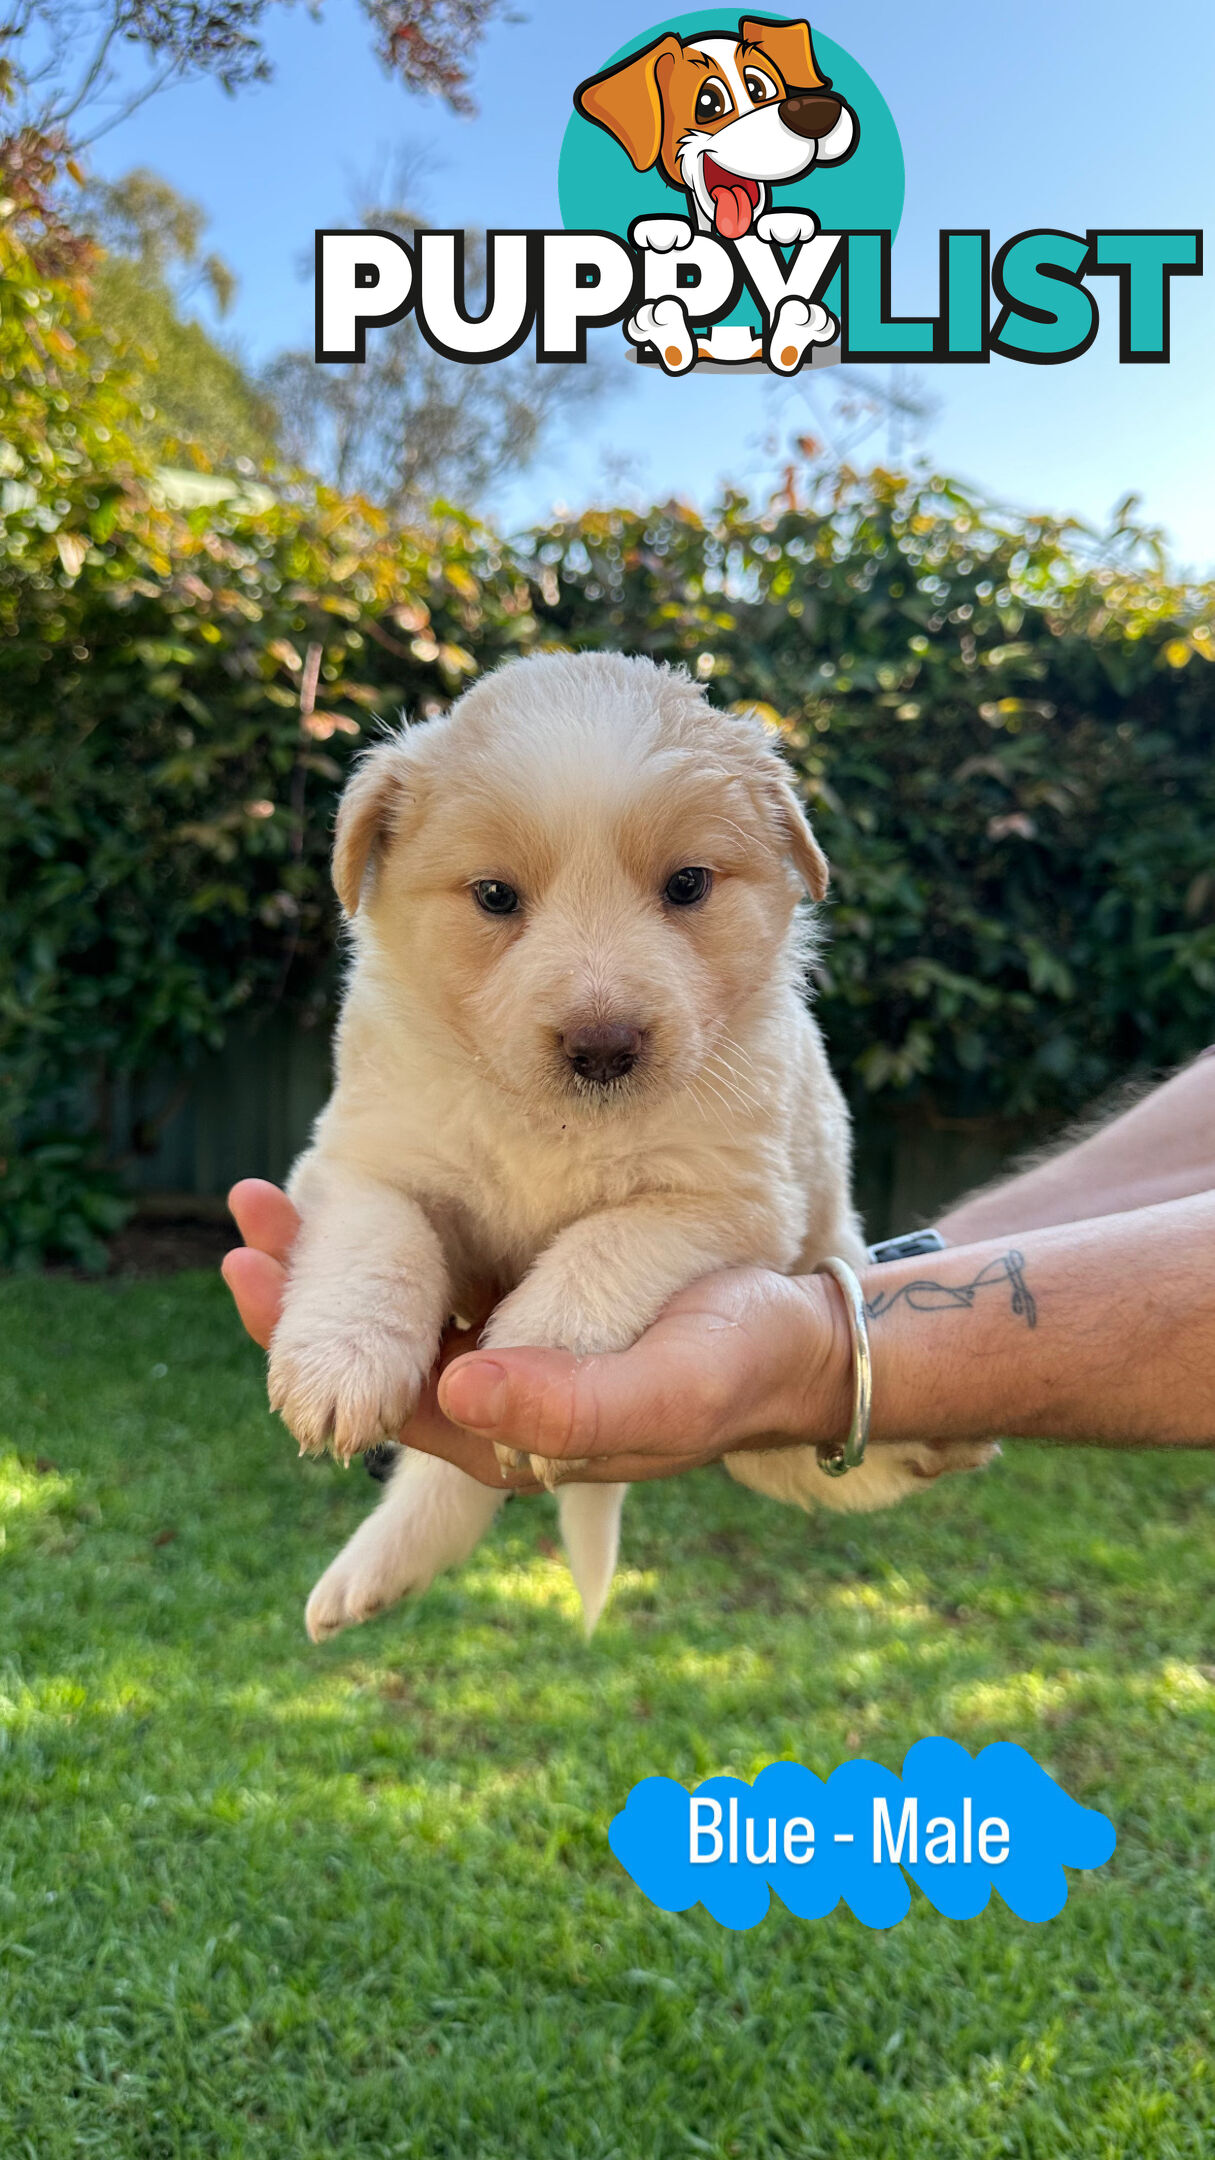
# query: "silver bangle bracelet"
846,1455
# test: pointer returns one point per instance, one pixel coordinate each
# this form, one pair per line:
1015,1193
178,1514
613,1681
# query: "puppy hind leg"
887,1475
891,1474
590,1532
430,1518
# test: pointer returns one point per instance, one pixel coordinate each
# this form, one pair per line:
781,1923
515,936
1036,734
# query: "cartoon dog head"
724,118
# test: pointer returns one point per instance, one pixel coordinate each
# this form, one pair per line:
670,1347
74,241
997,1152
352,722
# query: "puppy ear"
373,802
788,46
805,853
626,100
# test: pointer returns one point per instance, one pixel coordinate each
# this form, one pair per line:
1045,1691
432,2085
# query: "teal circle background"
598,189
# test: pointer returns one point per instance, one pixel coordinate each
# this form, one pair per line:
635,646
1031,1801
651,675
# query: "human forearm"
1162,1149
1100,1331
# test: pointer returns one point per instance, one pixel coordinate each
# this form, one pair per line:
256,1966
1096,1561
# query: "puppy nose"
602,1052
811,113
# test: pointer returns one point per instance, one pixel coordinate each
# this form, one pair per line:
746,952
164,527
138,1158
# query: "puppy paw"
547,1469
552,1473
348,1390
797,326
664,325
661,234
940,1458
355,1587
786,228
430,1519
546,1313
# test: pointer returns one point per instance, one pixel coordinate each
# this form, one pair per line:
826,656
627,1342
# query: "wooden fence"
183,1140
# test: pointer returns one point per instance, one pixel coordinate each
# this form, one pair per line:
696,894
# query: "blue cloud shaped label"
956,1824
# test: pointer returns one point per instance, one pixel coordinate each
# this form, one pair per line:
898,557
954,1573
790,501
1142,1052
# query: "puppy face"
580,875
724,118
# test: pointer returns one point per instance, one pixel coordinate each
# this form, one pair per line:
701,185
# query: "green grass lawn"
262,1899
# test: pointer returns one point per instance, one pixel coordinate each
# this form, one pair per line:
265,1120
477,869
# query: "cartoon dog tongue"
731,210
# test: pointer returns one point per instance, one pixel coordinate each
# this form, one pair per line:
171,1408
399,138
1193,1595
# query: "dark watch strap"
907,1247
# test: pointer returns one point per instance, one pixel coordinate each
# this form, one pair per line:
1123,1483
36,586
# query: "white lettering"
941,1831
702,275
908,1822
700,1828
993,1830
587,277
772,282
444,300
362,279
764,1858
799,1830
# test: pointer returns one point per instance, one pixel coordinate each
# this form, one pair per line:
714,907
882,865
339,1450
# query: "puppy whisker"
739,1084
727,1047
716,1092
730,1075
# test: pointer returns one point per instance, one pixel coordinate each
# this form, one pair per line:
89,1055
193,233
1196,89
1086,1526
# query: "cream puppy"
574,1062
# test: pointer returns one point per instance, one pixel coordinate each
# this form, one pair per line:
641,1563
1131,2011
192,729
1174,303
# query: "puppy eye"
711,103
759,89
687,887
495,898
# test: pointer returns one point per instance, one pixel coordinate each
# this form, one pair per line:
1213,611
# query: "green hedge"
1004,732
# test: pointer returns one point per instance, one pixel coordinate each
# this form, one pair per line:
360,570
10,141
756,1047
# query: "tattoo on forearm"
925,1296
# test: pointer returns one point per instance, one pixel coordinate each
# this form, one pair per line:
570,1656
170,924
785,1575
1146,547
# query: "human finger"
264,1216
256,1281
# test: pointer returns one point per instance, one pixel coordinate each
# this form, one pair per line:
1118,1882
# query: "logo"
731,187
730,116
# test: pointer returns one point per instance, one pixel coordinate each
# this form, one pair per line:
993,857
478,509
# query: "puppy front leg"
367,1296
603,1280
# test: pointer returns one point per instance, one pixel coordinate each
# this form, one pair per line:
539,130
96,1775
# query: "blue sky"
1093,113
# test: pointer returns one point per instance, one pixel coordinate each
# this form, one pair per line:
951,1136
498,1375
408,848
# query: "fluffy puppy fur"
472,1138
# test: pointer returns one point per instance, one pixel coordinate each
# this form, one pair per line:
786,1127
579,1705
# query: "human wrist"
905,1379
815,1407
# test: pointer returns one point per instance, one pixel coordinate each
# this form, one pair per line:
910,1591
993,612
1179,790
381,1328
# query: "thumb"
693,1384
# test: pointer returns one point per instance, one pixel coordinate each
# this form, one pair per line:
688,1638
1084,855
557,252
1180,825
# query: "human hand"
742,1358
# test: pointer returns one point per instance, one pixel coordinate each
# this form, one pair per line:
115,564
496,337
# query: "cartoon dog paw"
661,234
787,228
664,325
796,325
